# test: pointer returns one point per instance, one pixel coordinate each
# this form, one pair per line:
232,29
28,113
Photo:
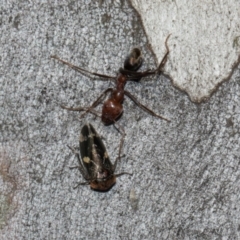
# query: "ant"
112,108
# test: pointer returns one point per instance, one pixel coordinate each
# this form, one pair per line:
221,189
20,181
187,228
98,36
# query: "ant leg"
121,130
119,155
144,107
94,112
164,59
79,109
81,70
88,109
95,104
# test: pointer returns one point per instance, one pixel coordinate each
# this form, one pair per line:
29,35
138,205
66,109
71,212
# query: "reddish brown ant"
112,107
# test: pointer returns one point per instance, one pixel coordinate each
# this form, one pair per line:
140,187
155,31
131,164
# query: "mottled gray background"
185,173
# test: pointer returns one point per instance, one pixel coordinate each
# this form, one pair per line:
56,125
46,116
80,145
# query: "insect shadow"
94,163
112,108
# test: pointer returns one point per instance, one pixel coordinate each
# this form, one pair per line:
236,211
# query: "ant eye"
134,60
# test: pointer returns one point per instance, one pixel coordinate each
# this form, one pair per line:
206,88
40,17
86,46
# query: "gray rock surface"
185,173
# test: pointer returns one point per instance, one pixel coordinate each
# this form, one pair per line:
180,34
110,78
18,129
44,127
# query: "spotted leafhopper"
94,163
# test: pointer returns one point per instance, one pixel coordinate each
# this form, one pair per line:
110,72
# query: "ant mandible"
112,107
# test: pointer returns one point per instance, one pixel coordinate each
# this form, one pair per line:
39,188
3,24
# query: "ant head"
134,60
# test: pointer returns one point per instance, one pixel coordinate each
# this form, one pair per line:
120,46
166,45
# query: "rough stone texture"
204,42
185,173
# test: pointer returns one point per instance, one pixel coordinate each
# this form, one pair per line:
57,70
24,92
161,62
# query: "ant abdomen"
134,60
111,111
